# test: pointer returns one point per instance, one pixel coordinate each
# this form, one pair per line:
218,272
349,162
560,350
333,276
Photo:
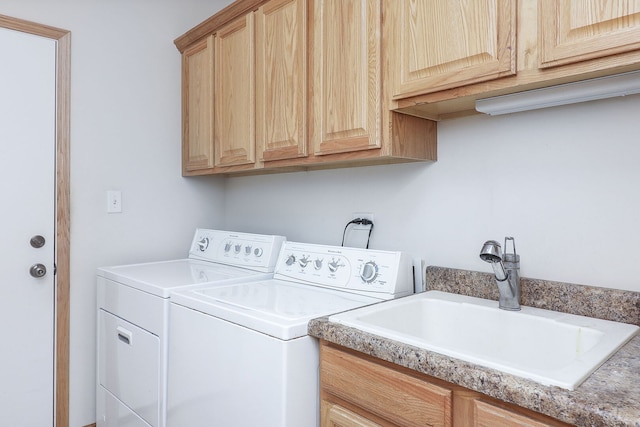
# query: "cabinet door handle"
124,335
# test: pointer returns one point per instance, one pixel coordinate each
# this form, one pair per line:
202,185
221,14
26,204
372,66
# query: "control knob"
258,252
334,265
237,248
203,244
247,250
317,264
290,260
303,261
227,246
369,272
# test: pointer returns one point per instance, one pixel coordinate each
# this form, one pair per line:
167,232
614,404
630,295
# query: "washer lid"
160,278
274,307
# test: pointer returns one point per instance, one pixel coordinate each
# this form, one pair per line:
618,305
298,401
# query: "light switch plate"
114,201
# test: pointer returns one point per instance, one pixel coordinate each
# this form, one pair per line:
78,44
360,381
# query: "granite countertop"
609,397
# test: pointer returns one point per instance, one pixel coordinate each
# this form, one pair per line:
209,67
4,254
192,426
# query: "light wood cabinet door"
197,108
488,415
234,129
576,30
332,415
391,395
346,66
281,80
441,44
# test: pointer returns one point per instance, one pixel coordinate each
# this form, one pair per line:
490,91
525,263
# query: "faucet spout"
507,272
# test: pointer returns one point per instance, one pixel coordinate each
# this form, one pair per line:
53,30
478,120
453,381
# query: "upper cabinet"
281,80
197,108
347,81
234,95
447,54
298,84
578,30
442,44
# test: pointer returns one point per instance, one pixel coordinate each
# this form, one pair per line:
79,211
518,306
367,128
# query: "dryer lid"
160,278
275,307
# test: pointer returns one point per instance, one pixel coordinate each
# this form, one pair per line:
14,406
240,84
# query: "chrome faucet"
507,272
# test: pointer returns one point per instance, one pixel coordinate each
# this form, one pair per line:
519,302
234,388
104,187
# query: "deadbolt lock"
37,241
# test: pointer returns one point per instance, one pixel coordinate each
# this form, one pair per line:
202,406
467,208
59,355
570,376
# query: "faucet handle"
510,257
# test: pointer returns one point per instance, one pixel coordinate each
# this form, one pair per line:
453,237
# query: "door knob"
38,270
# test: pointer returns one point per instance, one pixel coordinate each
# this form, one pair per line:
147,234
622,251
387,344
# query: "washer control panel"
254,251
384,274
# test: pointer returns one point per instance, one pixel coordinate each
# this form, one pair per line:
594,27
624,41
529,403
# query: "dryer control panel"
253,251
383,274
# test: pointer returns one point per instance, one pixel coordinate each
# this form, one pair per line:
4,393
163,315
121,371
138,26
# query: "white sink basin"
546,346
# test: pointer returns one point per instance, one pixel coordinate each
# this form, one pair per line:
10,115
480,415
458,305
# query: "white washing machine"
240,354
133,316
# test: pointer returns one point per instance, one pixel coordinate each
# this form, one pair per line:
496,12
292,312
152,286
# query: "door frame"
62,220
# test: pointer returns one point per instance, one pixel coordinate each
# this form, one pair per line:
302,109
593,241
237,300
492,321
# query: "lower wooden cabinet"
357,390
488,415
333,415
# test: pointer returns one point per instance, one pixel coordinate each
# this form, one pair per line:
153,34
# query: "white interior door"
27,209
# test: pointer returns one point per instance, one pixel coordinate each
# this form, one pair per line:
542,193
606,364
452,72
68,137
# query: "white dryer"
240,354
133,316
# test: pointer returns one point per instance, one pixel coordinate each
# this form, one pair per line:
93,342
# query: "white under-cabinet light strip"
570,93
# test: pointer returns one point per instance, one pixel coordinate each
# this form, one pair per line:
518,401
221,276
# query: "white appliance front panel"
222,374
110,412
160,278
129,365
275,307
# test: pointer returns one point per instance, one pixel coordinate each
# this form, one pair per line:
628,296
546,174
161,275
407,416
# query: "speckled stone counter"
609,397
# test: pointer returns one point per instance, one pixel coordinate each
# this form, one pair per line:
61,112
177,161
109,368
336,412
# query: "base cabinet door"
398,398
333,415
488,415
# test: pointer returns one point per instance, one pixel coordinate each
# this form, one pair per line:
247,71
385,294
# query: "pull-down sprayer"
506,269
